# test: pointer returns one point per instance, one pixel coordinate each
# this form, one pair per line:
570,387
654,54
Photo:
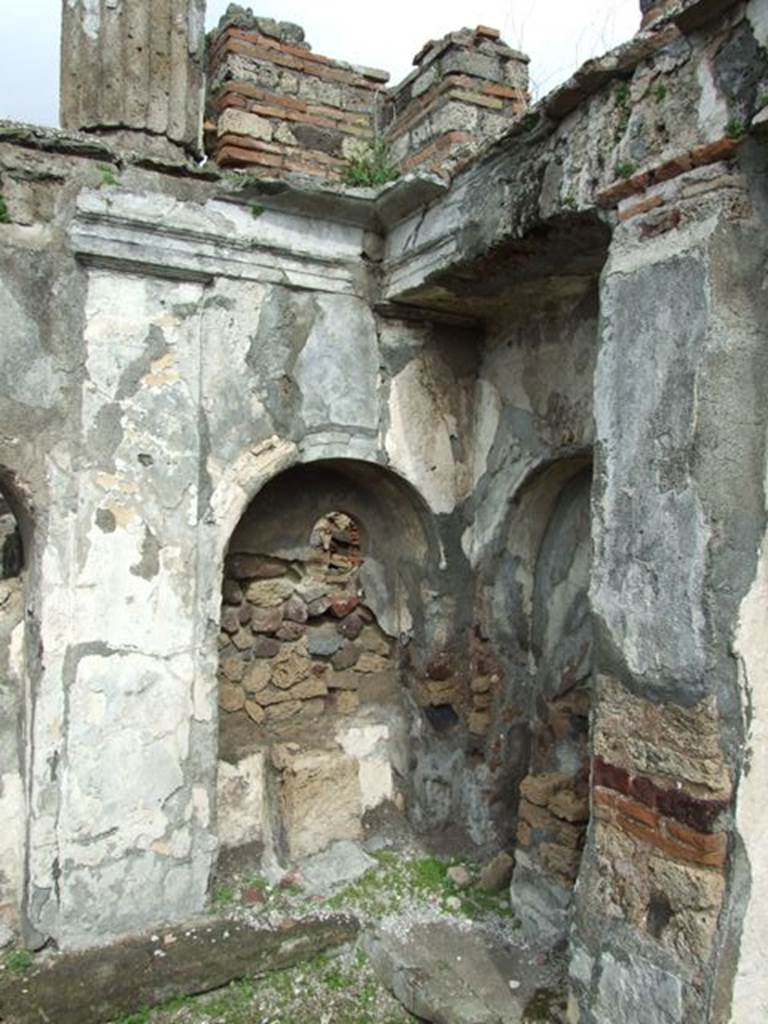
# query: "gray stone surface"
336,370
446,973
639,992
340,864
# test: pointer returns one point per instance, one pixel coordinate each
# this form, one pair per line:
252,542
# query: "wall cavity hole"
11,552
659,914
441,717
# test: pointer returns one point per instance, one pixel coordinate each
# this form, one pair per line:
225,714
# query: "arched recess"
15,540
554,519
313,721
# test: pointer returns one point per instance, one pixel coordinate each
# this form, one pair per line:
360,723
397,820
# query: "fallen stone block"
105,984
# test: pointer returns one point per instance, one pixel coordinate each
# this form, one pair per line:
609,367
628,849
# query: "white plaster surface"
713,109
369,745
757,12
418,441
12,808
240,799
337,370
487,416
750,995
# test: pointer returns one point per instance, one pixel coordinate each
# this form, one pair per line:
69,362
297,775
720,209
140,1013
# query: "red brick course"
697,812
280,55
712,152
675,841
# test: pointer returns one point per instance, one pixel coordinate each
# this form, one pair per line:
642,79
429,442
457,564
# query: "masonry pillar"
671,872
133,70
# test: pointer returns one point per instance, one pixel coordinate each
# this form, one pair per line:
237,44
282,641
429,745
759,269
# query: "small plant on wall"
370,165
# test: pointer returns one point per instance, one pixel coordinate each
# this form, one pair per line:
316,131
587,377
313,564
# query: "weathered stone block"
233,669
112,983
269,593
497,874
368,662
231,697
240,122
266,620
289,668
256,677
311,687
320,800
251,567
290,631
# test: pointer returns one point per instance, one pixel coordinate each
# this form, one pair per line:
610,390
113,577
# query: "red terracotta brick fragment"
674,849
244,90
643,789
623,806
671,169
642,207
723,149
706,841
247,142
236,156
622,189
608,775
487,32
690,810
503,91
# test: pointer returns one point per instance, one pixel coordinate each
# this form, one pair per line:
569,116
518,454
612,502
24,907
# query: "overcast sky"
557,34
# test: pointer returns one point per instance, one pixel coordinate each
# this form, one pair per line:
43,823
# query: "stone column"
134,70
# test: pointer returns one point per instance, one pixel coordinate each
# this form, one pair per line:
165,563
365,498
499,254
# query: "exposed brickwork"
699,813
681,844
712,152
468,682
311,109
318,116
465,89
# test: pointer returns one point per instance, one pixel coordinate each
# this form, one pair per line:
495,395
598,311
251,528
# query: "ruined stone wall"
276,107
465,89
532,557
444,365
304,669
155,324
663,858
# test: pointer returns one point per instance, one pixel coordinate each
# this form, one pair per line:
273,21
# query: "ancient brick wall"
275,107
465,89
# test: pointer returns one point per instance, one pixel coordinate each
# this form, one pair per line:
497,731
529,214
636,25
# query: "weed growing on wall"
371,166
108,176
